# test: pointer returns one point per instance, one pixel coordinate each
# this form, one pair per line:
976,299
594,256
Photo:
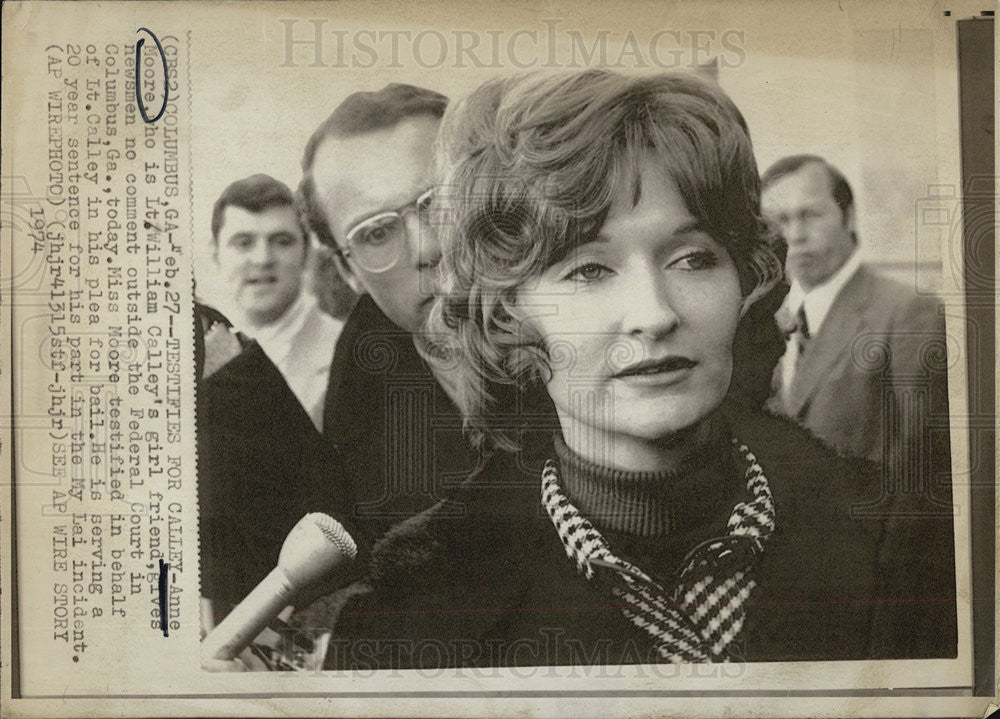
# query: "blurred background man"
864,351
262,460
261,251
865,369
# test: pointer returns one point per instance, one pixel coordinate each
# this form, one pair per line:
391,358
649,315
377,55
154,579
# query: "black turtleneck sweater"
654,519
494,587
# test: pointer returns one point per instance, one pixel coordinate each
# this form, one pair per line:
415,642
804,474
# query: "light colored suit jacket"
873,380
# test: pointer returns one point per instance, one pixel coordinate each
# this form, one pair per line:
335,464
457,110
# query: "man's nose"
261,253
423,242
647,307
794,231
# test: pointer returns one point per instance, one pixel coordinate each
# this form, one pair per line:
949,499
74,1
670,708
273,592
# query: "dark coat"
261,466
482,580
872,382
396,435
391,445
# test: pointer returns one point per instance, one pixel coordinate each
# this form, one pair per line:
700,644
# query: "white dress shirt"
301,344
816,305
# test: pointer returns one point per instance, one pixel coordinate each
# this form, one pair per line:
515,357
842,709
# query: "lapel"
251,389
310,341
371,353
347,410
844,322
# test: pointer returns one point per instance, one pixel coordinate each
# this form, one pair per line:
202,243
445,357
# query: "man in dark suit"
366,190
261,457
261,252
865,366
392,438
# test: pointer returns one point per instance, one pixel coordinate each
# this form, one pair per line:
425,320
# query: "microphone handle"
249,617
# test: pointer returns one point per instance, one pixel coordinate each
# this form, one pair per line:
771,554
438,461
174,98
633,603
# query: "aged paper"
113,155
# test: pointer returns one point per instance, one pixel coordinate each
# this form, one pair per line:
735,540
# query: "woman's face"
639,323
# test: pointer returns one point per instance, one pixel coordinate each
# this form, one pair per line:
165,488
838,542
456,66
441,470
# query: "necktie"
802,330
792,365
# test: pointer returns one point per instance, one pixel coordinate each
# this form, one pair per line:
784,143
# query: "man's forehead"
811,182
358,176
270,219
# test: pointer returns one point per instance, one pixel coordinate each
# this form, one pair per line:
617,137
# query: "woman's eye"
697,260
589,272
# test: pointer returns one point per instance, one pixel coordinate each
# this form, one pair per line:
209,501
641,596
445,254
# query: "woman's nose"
647,308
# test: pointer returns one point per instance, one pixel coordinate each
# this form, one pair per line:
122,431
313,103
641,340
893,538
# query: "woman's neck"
638,454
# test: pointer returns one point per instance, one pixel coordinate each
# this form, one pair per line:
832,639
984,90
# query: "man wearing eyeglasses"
366,179
366,191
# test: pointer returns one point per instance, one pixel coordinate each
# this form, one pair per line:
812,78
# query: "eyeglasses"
376,244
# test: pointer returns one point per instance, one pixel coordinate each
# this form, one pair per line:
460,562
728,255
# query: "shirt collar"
817,302
278,336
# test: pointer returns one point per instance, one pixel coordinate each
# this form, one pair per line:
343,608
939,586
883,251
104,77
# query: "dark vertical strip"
975,78
164,591
15,624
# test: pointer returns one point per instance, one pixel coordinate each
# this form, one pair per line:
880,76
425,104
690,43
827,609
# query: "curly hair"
530,167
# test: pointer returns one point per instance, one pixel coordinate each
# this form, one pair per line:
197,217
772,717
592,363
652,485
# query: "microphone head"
335,532
316,546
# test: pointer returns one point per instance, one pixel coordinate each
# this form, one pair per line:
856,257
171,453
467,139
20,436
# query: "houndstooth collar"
701,617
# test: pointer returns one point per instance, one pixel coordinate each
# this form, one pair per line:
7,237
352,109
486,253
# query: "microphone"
316,546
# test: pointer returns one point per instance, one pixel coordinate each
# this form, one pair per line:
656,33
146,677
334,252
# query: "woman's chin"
663,434
664,424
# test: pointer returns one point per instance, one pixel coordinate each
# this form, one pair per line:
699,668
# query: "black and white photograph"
513,358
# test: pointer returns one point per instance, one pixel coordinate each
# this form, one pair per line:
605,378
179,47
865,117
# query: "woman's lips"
668,369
